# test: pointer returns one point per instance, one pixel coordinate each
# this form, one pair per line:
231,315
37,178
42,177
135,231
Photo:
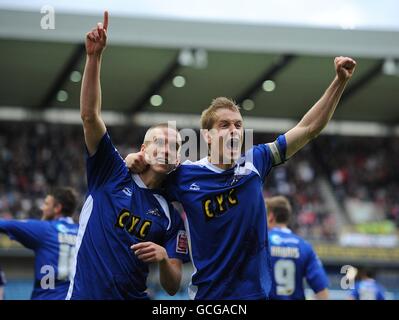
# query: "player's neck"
223,166
55,217
152,179
220,164
368,279
280,226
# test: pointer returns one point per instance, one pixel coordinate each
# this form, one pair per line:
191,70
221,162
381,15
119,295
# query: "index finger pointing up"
105,20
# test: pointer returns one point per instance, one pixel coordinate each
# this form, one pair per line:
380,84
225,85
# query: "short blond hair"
147,137
208,116
281,208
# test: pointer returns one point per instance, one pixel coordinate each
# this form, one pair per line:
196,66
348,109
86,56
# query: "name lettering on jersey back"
219,204
285,252
66,238
133,225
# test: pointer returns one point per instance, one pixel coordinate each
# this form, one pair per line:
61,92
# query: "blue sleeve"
315,275
266,156
30,233
176,242
354,293
106,165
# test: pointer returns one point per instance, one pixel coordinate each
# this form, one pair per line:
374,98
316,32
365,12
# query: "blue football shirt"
294,260
120,211
54,245
368,290
226,223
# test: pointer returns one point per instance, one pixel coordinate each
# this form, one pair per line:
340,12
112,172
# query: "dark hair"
365,272
281,208
67,198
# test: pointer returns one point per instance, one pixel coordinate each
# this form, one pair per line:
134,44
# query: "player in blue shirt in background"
293,258
366,287
125,223
2,284
223,200
52,239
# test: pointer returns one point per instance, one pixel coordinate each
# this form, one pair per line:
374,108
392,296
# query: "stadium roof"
234,60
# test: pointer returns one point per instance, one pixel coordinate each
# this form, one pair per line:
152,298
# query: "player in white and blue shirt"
53,240
366,287
125,223
293,258
222,195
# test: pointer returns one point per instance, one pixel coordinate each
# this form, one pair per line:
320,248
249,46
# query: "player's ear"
58,208
206,135
143,146
270,217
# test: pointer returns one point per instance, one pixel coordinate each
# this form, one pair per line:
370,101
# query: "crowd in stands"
297,179
37,156
34,157
365,169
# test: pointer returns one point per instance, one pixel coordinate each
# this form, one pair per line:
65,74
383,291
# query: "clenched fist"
344,67
96,39
149,252
136,162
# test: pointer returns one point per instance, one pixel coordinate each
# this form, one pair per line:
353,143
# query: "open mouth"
160,160
233,144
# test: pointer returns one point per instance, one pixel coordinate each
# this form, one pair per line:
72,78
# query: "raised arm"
320,114
90,95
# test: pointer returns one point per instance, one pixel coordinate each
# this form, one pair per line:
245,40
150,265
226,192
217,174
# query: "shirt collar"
284,229
137,179
66,219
